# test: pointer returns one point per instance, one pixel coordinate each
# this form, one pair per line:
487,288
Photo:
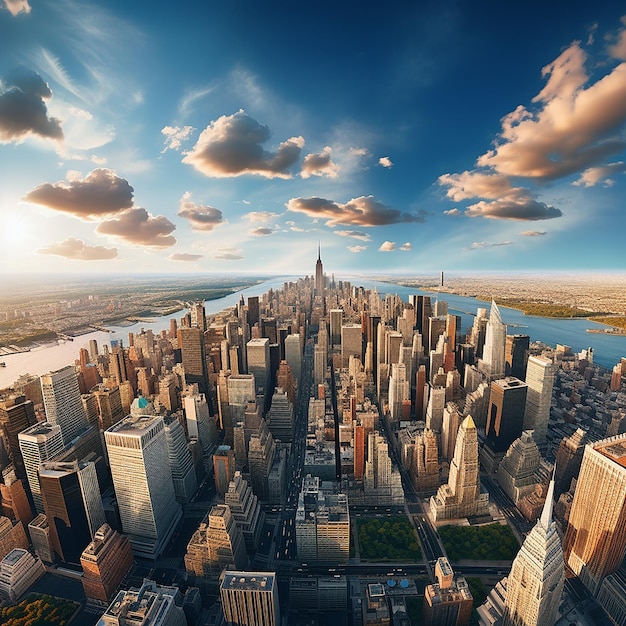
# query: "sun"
14,230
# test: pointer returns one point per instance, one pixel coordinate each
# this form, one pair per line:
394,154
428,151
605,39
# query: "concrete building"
322,525
19,570
280,416
105,562
12,535
517,472
16,414
595,538
39,443
258,352
250,598
351,343
39,531
223,468
181,463
246,510
448,602
143,483
540,380
493,354
151,604
293,355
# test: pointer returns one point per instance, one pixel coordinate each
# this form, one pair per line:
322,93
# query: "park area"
392,539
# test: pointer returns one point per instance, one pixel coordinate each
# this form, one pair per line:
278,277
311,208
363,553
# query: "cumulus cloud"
100,193
201,217
534,233
23,109
361,211
232,145
576,124
387,246
524,208
355,234
174,136
137,226
184,256
76,249
454,211
600,174
476,185
406,246
319,165
260,216
228,254
479,245
261,231
357,249
17,6
618,49
359,152
385,162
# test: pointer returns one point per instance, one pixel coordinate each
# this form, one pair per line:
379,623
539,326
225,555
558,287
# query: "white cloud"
261,231
385,162
406,246
72,248
174,136
355,234
17,6
600,174
534,233
201,217
387,246
260,216
357,249
479,245
319,165
454,211
228,254
184,256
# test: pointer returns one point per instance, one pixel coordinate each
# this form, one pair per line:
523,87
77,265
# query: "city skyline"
135,140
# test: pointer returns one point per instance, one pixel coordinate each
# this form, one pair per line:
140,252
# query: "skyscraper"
191,344
62,401
73,506
39,443
250,598
537,576
181,463
516,355
258,351
16,414
540,380
493,363
461,496
319,274
143,483
595,538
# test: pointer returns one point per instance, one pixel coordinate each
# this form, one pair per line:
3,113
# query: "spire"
319,251
494,314
546,515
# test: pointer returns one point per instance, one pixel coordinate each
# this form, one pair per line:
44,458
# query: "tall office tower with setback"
595,539
143,483
540,380
493,361
537,576
62,401
461,496
73,506
246,510
319,274
250,598
16,414
39,443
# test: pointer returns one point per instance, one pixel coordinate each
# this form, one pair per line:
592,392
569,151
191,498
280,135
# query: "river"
608,349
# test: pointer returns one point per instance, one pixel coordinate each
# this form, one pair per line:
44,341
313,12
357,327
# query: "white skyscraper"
537,576
143,482
62,401
399,390
39,443
493,362
258,351
293,355
540,380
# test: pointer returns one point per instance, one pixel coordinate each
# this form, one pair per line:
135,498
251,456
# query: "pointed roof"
494,314
546,514
468,422
319,251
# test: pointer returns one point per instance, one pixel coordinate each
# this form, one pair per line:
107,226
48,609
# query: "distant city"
319,453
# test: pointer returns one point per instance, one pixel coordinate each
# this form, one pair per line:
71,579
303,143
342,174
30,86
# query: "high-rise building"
535,584
62,402
39,443
493,359
73,506
517,472
505,419
399,392
448,602
336,320
246,510
461,496
540,380
39,531
110,409
293,354
12,535
351,342
250,598
261,452
18,571
516,355
569,457
143,483
223,468
253,310
191,344
258,351
105,562
595,538
280,416
16,414
322,524
216,544
14,501
319,274
181,463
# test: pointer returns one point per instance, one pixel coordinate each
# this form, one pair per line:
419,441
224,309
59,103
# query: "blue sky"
233,136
